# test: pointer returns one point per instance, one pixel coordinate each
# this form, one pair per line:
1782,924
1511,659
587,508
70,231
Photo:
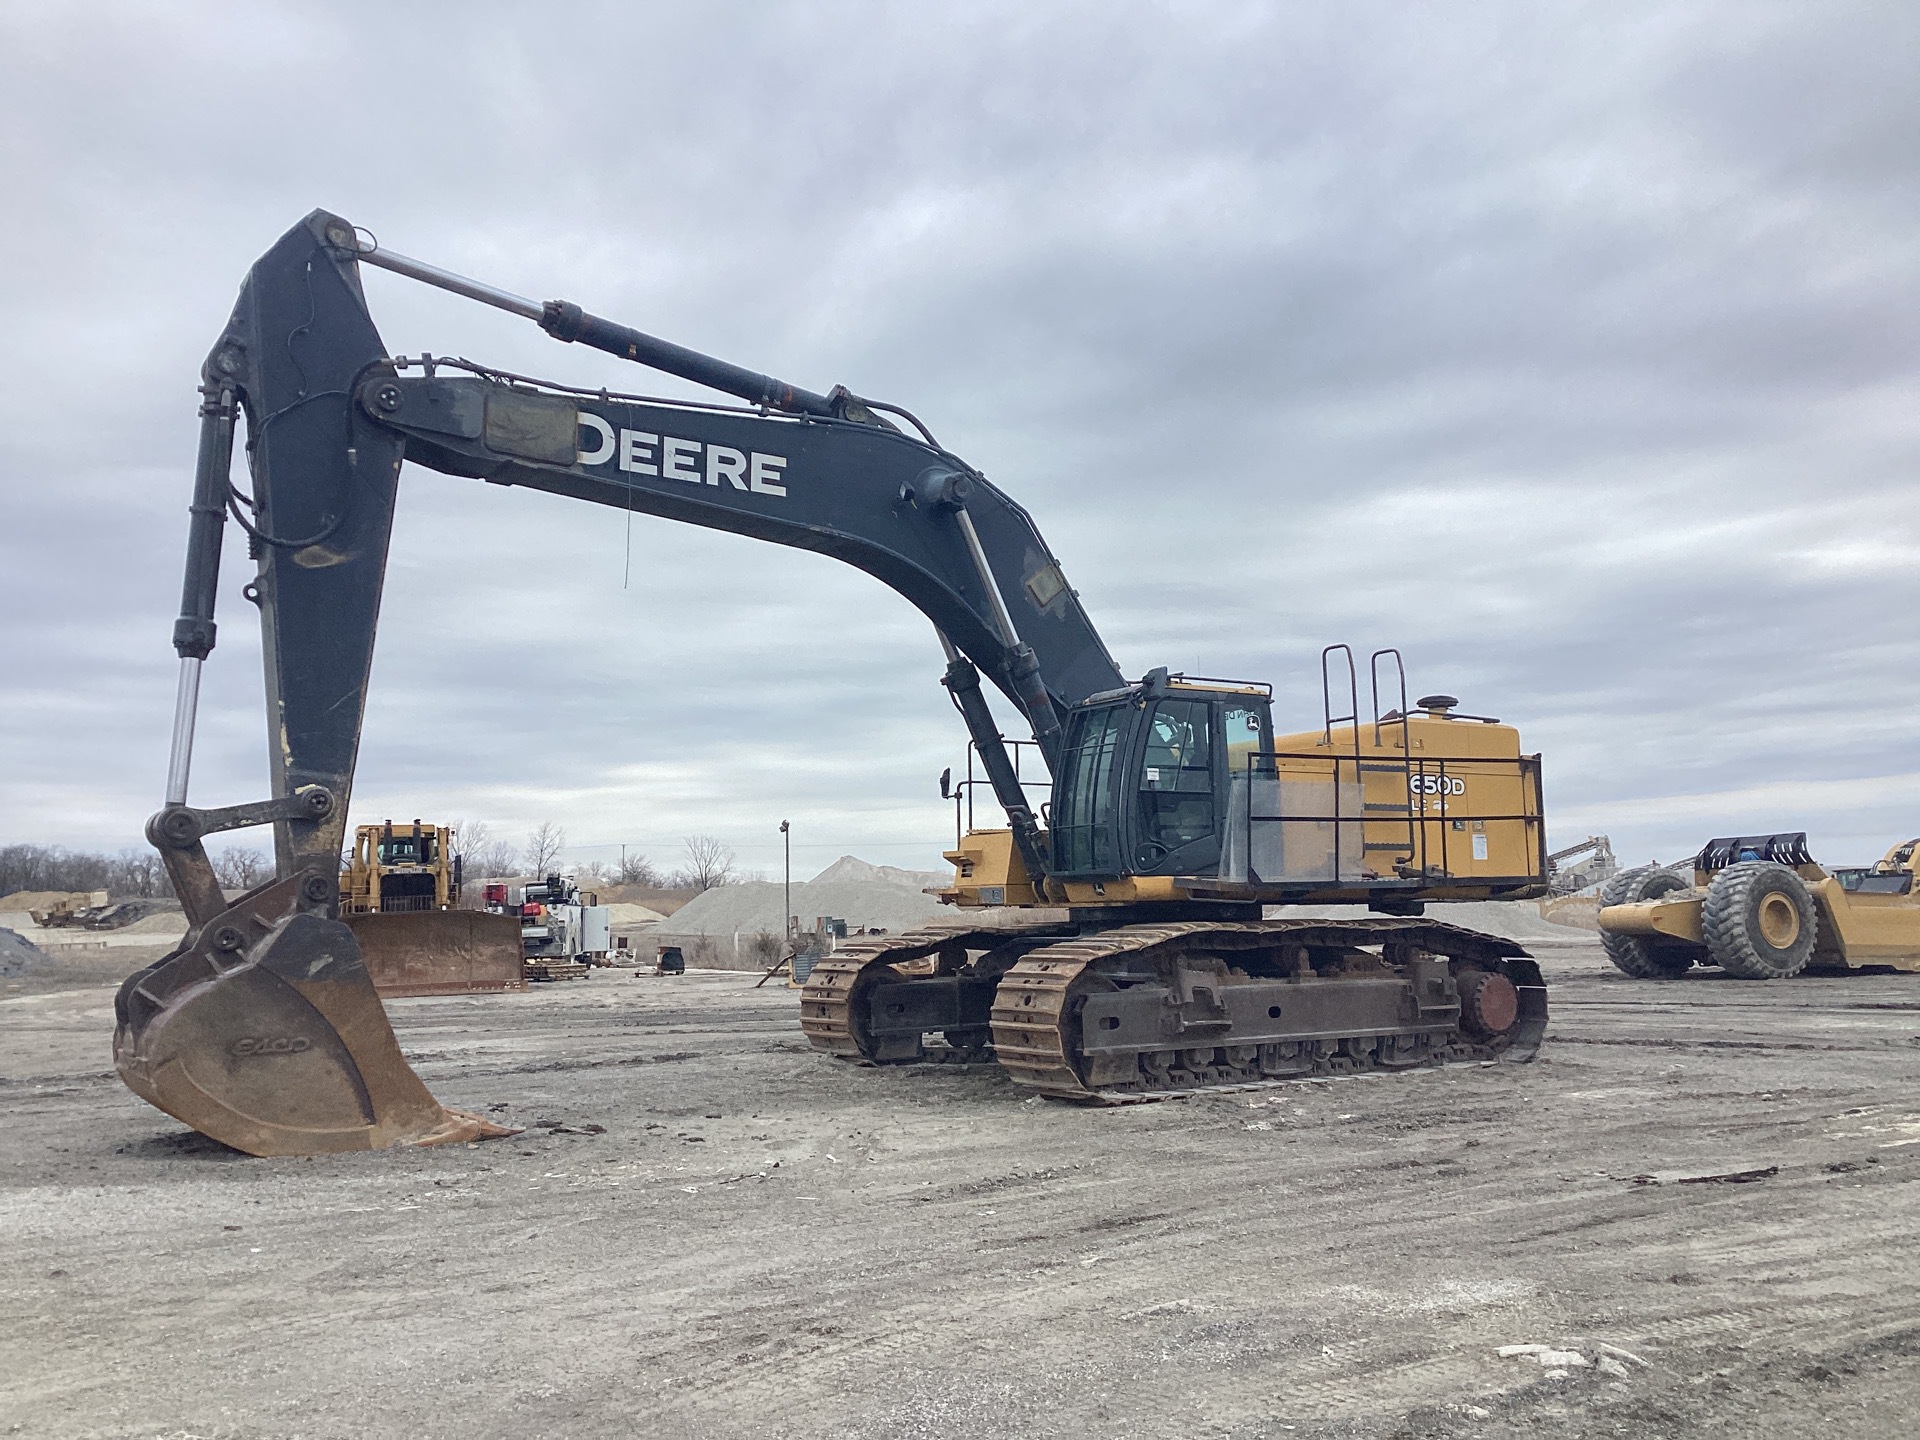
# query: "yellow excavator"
1132,953
399,894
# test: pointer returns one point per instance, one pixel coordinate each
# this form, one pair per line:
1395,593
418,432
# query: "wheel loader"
1129,952
1759,907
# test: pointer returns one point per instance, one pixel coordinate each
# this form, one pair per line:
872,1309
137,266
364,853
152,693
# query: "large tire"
1760,921
1639,955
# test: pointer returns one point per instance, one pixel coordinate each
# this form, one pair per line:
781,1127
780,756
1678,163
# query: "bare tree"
482,855
241,867
636,869
48,867
131,873
766,947
544,844
593,870
709,864
137,873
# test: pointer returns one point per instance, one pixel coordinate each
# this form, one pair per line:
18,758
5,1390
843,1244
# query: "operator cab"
1892,875
419,848
1142,783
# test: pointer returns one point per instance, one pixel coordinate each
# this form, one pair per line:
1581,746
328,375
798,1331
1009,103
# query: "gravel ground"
708,1231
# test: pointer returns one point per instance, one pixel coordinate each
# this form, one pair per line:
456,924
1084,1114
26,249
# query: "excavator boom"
264,1030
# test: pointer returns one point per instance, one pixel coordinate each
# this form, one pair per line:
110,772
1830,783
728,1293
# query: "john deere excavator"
1145,965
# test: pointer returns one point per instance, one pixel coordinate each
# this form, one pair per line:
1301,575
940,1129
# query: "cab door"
1177,790
1191,747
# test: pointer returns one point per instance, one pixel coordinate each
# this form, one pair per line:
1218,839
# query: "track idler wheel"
1489,1003
265,1033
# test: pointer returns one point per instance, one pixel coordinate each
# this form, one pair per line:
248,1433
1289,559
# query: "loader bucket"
264,1032
440,952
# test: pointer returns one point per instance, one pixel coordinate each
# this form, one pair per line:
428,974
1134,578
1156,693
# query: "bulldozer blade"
263,1031
440,952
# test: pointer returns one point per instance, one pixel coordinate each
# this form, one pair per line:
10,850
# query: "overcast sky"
1570,348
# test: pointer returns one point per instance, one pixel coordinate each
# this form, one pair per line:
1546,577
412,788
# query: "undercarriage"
1150,1011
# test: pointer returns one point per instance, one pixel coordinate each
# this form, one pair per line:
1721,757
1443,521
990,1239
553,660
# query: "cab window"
407,850
1241,729
1082,810
1176,774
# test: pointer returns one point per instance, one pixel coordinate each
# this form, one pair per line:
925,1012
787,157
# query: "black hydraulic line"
564,320
963,683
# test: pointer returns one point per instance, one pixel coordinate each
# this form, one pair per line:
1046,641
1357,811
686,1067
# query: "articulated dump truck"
1132,952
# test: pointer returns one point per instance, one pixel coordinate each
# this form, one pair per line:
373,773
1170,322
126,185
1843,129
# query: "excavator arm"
263,1029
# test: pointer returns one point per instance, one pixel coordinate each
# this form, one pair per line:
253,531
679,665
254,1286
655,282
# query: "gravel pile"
18,955
852,868
1519,920
756,906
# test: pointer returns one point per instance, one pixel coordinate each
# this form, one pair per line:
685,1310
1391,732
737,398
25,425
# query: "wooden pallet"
555,970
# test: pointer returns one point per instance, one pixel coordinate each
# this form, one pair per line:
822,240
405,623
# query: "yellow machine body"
1867,916
1437,806
397,896
399,868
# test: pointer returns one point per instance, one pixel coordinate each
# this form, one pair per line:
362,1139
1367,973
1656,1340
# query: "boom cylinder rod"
566,321
1001,617
186,706
194,631
447,280
1023,666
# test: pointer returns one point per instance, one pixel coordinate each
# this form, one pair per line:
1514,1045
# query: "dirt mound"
24,900
665,902
18,955
628,917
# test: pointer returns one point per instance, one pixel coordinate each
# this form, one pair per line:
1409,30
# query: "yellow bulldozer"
398,893
1760,908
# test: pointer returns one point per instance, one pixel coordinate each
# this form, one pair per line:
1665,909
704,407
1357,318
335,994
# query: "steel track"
1034,1015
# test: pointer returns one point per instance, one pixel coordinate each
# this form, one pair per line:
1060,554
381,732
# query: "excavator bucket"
440,952
264,1032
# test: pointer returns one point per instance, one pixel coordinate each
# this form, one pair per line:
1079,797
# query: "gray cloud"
1571,348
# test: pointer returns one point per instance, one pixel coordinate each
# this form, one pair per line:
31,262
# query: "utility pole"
786,838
